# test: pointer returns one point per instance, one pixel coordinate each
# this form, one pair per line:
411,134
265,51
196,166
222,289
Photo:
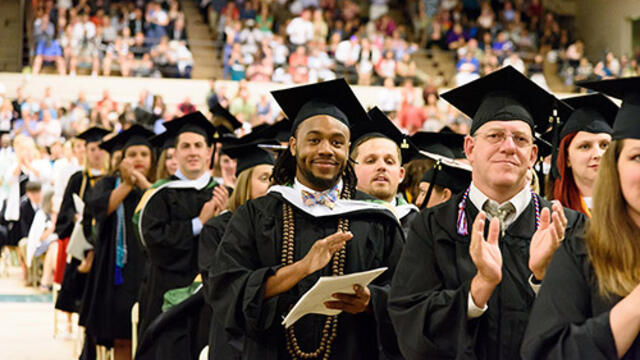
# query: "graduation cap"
447,173
135,135
333,98
280,131
194,122
144,117
222,117
163,141
93,134
381,127
506,95
247,155
446,144
626,124
594,113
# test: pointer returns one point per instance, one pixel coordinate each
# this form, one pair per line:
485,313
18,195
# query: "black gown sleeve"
561,325
97,200
66,216
170,236
209,241
393,241
430,320
238,279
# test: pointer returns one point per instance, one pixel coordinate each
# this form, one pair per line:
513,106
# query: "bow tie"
327,198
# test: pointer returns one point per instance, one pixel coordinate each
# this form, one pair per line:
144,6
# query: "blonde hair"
242,191
161,172
612,237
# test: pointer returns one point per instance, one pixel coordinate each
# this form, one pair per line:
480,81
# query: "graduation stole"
403,208
155,188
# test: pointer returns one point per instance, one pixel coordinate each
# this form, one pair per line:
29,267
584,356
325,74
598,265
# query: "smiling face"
500,153
378,168
584,154
321,149
193,154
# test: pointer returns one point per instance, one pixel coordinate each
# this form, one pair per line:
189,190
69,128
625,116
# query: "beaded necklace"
462,226
330,328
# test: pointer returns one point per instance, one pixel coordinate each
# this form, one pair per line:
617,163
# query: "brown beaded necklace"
330,328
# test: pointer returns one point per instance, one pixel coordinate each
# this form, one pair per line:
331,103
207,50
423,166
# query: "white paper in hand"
312,302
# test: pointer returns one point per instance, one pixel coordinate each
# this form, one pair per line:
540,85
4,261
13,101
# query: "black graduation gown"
210,238
178,333
172,247
250,252
69,297
428,303
20,228
570,318
106,309
406,221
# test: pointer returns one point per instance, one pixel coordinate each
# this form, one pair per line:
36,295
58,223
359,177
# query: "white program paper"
312,302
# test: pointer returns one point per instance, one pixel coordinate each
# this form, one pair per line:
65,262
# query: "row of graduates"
455,293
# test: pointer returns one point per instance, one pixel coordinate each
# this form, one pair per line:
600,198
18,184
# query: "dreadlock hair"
284,172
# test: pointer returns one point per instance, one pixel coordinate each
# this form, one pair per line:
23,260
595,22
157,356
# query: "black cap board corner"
333,98
222,117
448,173
380,126
194,122
247,155
450,145
135,135
93,134
594,113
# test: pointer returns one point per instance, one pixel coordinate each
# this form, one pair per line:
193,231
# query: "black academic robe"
106,311
210,238
69,297
20,229
570,318
167,234
428,303
178,333
250,252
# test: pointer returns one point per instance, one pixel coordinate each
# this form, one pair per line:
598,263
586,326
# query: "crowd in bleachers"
132,38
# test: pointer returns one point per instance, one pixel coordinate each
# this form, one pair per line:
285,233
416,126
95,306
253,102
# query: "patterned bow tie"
327,198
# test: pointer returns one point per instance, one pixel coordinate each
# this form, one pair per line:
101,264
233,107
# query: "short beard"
315,181
383,195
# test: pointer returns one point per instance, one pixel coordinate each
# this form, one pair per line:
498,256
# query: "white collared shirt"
520,202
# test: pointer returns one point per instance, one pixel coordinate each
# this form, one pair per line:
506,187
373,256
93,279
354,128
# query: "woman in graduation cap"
253,171
589,302
441,182
119,262
585,137
70,295
167,162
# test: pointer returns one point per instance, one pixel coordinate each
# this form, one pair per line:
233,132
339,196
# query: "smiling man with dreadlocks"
312,223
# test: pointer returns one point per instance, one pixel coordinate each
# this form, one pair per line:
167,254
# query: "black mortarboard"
280,131
626,123
144,117
442,143
448,173
135,135
163,141
194,122
334,98
592,113
381,127
506,95
247,155
222,117
93,134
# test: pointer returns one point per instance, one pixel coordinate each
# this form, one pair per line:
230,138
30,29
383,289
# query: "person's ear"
469,146
446,194
292,146
402,173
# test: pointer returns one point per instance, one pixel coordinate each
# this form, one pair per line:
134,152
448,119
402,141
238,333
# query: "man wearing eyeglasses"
471,267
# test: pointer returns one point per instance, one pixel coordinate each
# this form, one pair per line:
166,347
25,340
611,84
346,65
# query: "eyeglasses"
495,137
